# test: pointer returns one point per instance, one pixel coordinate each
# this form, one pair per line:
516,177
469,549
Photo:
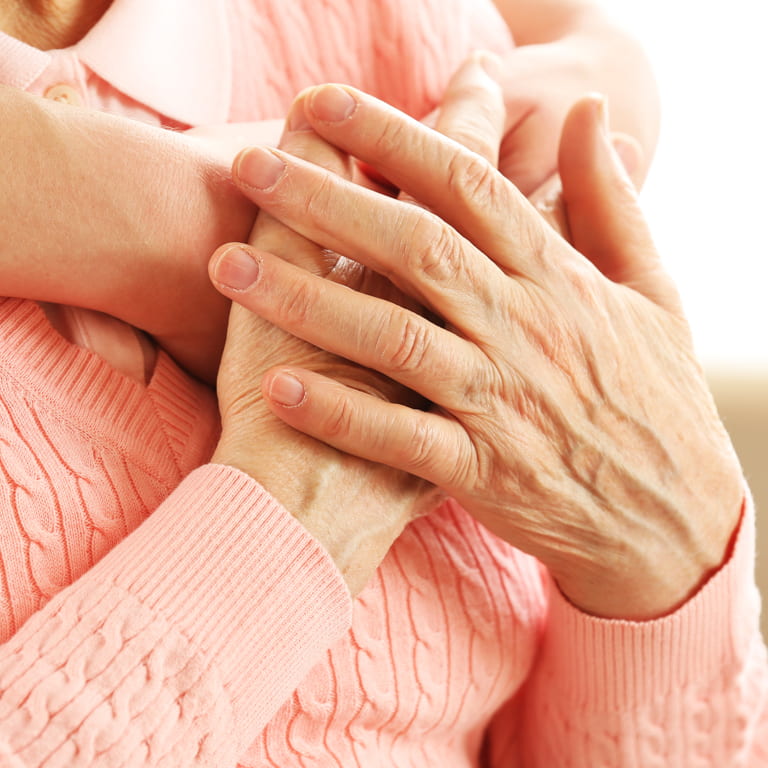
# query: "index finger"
269,233
472,111
457,184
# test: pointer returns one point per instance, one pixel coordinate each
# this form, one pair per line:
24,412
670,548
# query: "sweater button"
64,93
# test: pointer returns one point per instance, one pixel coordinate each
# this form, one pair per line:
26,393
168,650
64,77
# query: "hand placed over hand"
355,508
570,415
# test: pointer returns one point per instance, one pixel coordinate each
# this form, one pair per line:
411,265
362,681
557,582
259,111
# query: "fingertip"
284,388
598,104
258,168
588,119
234,267
237,162
588,114
331,103
490,63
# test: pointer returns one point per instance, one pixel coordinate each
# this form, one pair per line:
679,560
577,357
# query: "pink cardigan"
157,610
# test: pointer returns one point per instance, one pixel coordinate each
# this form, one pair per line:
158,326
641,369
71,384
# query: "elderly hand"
355,508
570,415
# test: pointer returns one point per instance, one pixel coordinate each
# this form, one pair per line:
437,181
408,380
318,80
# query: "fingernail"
286,389
297,118
332,104
259,168
236,269
491,63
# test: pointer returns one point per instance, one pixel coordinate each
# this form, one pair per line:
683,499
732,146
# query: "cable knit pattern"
401,51
66,445
127,684
427,660
694,689
156,612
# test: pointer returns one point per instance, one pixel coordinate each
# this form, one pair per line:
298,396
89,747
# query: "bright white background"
707,196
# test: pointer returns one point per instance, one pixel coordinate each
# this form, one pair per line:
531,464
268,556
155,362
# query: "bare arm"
92,204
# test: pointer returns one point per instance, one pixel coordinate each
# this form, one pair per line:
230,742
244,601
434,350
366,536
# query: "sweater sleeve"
689,690
181,643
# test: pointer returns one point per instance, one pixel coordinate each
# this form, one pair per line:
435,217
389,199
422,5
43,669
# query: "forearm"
614,62
96,194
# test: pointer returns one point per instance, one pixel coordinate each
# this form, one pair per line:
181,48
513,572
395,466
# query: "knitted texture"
401,51
125,689
84,456
154,614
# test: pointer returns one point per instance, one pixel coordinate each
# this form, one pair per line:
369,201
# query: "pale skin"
171,200
577,21
356,507
567,48
569,413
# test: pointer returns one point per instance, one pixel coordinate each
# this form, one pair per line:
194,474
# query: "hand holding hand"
570,415
355,508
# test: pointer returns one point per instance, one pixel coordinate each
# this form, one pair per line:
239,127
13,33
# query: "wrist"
645,577
354,509
215,211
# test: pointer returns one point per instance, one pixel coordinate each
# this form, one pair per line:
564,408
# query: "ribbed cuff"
226,565
602,664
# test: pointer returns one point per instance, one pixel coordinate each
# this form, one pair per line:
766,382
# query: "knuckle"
537,242
475,138
295,304
532,236
576,279
472,179
390,137
319,198
404,343
480,390
432,250
339,419
478,128
422,447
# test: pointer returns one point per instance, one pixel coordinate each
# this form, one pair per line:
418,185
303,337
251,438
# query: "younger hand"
542,80
162,204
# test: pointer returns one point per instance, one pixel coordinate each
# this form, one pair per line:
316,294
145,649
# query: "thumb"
603,214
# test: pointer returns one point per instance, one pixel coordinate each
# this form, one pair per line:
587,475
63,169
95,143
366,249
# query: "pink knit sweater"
157,610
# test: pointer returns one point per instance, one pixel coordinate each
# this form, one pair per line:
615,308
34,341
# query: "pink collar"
171,55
